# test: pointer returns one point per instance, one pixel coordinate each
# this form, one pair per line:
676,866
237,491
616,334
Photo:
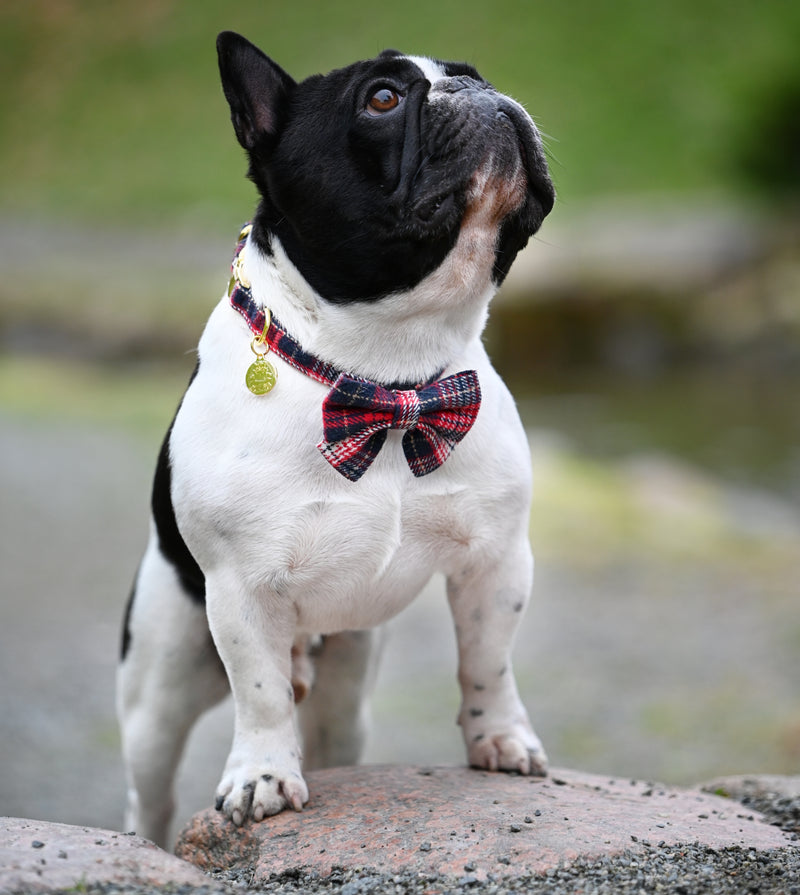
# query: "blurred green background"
651,333
112,111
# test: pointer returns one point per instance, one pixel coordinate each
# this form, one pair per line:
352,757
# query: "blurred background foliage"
651,334
111,110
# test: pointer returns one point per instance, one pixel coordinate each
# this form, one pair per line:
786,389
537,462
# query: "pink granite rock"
36,856
448,820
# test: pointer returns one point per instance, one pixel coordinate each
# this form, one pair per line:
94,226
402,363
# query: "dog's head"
368,174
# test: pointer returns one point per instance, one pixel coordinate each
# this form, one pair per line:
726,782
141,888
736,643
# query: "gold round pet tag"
261,376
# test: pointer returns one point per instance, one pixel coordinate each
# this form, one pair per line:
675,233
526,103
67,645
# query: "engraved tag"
261,376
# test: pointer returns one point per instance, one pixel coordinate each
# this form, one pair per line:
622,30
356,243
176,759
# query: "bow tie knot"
407,410
357,414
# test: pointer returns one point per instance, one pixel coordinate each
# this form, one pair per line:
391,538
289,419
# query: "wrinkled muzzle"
472,138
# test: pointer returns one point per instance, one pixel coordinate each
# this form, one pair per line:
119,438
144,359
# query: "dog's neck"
410,336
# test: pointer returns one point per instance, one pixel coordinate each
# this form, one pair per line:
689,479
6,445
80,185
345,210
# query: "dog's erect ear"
255,87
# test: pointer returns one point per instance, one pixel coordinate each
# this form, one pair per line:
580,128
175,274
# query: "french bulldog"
344,435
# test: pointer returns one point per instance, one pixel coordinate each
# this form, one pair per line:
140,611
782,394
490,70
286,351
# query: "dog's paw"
250,792
517,750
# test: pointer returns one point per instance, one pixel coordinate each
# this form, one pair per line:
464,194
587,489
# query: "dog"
344,435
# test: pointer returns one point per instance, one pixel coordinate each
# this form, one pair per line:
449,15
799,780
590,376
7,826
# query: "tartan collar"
357,413
280,341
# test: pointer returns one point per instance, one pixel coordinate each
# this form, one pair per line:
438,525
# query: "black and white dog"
344,435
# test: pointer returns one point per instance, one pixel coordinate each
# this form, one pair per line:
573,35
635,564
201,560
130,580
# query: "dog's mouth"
437,209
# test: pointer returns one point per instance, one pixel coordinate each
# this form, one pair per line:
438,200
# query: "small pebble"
37,844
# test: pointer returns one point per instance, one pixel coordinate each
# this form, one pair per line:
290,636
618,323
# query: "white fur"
430,68
291,549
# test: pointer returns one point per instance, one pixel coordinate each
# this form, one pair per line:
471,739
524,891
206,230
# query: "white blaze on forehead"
432,70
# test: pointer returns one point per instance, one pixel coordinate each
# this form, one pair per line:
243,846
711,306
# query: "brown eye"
383,100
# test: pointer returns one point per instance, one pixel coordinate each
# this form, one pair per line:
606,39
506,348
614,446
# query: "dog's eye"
383,100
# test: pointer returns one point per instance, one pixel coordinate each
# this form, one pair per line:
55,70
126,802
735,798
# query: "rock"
746,786
437,821
36,856
776,797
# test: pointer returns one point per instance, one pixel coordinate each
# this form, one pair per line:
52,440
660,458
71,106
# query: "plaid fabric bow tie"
356,416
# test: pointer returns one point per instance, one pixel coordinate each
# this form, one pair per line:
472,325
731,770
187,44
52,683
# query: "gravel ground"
779,810
682,870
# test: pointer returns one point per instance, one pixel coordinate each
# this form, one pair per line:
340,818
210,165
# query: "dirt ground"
631,664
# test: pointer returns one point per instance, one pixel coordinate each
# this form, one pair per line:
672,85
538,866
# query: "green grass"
113,109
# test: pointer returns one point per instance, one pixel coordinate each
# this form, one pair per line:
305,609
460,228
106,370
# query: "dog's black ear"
255,87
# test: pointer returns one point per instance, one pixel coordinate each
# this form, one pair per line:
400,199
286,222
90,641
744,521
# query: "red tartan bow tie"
357,414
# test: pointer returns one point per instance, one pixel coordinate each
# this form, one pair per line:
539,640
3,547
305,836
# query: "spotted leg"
487,604
254,635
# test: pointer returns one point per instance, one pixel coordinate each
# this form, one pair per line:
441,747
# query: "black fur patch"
126,626
170,542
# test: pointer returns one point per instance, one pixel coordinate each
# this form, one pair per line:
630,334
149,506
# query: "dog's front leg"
254,634
487,604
